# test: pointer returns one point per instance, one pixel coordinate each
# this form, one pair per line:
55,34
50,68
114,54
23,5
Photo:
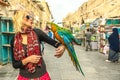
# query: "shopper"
88,35
113,40
50,34
26,53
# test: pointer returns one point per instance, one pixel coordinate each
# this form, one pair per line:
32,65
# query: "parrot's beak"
48,25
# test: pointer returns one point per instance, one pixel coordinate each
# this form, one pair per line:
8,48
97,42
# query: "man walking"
88,35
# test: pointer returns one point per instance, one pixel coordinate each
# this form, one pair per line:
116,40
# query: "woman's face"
27,20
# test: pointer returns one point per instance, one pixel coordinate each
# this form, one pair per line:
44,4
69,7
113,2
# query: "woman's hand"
59,51
32,59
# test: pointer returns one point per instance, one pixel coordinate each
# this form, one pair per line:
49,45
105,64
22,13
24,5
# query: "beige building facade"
39,7
93,9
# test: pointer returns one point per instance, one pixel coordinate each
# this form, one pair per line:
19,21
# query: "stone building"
3,8
39,7
93,9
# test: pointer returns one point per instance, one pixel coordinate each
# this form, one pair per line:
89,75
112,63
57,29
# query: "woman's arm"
15,63
44,37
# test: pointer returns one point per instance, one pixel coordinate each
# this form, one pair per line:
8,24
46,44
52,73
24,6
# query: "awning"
112,21
82,27
96,22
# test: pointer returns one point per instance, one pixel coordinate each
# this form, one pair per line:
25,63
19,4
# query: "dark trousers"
88,45
113,56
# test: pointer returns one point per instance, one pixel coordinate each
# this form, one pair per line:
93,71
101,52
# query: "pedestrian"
113,40
49,32
88,35
26,52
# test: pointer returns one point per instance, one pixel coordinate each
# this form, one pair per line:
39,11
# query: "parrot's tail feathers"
78,67
80,70
75,60
72,59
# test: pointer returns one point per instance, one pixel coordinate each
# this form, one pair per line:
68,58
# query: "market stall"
106,30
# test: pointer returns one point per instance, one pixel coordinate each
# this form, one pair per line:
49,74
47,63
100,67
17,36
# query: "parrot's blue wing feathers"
70,36
70,48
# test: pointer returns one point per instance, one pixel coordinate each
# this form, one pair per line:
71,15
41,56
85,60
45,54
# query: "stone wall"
93,9
39,7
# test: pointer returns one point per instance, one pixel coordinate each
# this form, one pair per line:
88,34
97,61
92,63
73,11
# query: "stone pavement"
92,62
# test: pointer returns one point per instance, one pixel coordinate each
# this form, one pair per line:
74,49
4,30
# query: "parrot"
66,38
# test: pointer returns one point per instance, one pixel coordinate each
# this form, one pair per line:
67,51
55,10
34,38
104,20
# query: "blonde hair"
17,20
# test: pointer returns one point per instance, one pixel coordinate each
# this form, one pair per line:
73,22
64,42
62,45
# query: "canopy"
112,21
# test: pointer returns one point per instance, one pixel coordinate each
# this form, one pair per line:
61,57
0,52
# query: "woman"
113,40
26,53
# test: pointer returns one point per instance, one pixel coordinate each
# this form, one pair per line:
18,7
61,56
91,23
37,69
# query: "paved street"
92,62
